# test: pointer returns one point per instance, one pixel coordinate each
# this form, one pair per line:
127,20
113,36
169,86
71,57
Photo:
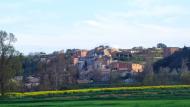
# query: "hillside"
176,61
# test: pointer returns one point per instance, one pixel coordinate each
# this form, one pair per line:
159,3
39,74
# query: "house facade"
170,50
123,66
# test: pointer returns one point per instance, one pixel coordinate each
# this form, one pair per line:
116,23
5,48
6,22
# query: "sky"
53,25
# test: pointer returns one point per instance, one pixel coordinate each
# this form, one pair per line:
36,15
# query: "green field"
147,96
103,103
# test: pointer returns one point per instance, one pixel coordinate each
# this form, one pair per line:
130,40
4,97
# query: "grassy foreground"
103,103
146,96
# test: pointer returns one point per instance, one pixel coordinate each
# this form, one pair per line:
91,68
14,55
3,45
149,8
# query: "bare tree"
8,60
56,73
148,73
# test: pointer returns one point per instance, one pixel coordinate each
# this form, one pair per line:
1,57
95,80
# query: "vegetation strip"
91,90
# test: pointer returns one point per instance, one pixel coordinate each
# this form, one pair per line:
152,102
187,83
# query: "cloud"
92,23
141,22
134,27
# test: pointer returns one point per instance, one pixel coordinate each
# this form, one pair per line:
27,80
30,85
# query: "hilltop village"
102,64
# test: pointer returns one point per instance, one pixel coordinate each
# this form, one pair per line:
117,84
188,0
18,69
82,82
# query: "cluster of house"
105,60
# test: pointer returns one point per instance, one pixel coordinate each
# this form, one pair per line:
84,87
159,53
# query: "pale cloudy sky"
50,25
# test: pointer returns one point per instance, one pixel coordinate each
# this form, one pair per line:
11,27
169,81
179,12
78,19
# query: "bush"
185,77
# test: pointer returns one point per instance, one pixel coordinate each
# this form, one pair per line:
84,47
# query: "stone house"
170,50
